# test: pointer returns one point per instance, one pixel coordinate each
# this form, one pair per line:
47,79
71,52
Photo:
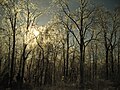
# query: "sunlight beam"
35,32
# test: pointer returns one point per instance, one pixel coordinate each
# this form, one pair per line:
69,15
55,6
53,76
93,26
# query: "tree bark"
13,21
24,62
67,57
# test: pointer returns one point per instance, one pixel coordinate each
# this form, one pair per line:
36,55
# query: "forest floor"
56,88
99,85
74,88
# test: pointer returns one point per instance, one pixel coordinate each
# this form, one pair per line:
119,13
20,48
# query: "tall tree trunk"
118,58
82,52
23,63
90,64
46,77
93,58
54,78
106,56
9,55
13,26
72,66
64,67
106,53
12,59
67,56
81,67
42,70
96,52
112,62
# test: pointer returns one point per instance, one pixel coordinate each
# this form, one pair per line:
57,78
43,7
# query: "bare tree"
109,29
83,21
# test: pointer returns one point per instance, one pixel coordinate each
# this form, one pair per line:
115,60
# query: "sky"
109,4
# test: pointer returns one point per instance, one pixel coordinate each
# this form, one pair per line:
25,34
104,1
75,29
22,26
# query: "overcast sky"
109,4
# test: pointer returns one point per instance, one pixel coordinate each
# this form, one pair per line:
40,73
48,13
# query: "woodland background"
77,49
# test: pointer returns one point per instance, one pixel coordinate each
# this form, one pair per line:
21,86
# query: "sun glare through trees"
59,45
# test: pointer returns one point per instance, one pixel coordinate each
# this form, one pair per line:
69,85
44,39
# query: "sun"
35,32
